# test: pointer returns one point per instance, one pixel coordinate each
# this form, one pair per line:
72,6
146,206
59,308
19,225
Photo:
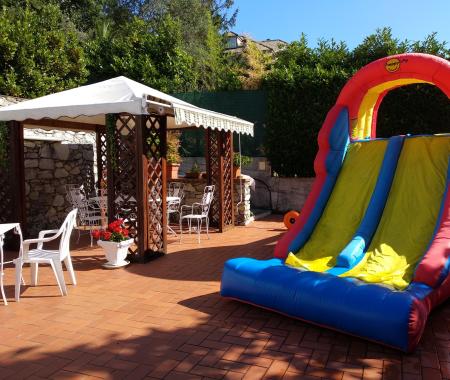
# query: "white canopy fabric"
86,103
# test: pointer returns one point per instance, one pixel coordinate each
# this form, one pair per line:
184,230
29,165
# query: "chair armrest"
38,241
46,232
196,205
185,207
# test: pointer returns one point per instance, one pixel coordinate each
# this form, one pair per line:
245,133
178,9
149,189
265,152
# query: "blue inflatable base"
370,311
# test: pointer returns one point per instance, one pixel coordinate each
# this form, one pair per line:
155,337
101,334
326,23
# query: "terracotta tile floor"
166,320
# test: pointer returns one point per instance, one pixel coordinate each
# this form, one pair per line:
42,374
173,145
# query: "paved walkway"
166,320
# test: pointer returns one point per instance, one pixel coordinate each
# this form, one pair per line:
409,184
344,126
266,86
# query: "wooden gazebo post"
219,168
136,179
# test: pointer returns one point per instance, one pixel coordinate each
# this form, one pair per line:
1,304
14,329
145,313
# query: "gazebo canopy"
89,104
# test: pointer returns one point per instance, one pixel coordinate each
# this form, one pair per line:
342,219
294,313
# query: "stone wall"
275,193
194,191
51,165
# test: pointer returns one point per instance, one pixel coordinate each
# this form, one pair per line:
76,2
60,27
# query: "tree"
378,45
219,11
148,54
201,36
252,66
41,51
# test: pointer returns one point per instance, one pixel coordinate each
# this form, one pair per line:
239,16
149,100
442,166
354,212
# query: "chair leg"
181,228
207,227
19,279
69,266
34,273
199,227
57,269
1,288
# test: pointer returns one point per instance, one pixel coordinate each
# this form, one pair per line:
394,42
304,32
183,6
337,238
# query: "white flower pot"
115,253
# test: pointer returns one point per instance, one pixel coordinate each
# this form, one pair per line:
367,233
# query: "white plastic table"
4,228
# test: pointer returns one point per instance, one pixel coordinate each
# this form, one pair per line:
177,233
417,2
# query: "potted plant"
194,172
238,161
173,155
115,241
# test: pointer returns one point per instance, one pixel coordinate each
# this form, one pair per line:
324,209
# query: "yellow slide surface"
345,208
410,215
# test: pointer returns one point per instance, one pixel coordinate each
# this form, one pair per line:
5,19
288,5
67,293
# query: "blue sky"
346,20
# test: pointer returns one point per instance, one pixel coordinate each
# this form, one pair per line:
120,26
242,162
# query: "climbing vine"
110,139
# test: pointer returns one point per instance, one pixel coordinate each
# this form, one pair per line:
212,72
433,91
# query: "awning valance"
119,95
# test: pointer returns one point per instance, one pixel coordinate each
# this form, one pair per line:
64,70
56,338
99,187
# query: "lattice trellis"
214,171
154,137
219,163
136,181
102,159
122,175
228,203
12,205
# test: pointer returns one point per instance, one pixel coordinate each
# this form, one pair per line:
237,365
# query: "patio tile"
166,320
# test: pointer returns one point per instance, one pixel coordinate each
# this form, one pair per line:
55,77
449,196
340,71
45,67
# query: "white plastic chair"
45,256
198,212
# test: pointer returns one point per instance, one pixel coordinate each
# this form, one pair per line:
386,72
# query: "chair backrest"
66,230
69,187
79,201
176,189
208,196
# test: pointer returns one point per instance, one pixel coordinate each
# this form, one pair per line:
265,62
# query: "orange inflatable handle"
290,218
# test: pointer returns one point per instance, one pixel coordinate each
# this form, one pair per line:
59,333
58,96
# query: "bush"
304,84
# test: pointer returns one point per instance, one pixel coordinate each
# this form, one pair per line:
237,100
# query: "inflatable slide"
370,253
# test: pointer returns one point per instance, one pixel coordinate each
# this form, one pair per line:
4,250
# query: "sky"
343,20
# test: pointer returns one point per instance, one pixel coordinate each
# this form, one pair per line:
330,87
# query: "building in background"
236,43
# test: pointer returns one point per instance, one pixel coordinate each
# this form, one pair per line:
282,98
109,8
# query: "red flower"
125,232
107,235
113,226
96,234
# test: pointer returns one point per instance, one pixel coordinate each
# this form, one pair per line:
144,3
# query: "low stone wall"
276,193
49,167
194,191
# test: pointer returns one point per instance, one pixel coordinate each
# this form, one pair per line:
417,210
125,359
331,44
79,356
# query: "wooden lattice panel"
219,163
7,212
154,140
136,181
102,159
214,171
12,181
227,174
122,175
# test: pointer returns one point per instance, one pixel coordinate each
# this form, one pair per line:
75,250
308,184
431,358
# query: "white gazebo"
131,123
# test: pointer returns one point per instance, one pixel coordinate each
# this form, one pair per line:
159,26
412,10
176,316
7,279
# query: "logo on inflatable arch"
392,65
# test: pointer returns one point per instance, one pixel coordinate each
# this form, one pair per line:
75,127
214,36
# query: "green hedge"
304,83
296,109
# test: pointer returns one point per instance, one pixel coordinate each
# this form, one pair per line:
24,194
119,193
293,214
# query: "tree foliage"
40,51
147,54
252,65
172,45
305,82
